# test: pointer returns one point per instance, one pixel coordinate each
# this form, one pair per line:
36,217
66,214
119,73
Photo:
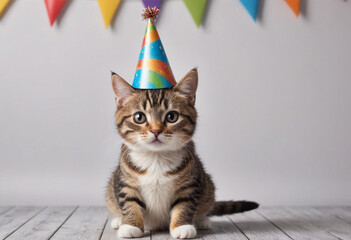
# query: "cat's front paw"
129,231
116,222
184,231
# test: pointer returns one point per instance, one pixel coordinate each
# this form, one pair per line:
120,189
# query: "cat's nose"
156,132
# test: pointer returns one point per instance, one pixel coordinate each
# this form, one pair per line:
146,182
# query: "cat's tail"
230,207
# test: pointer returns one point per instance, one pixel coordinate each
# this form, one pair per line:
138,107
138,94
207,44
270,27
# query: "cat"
160,182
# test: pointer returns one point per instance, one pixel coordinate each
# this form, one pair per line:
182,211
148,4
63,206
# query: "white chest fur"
156,186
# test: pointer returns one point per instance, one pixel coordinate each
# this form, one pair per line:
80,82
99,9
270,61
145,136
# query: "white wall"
274,98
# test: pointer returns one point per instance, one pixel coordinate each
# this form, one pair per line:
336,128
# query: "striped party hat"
153,70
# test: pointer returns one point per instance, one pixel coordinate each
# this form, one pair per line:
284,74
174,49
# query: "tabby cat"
160,181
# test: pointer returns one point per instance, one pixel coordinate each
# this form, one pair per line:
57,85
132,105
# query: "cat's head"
156,120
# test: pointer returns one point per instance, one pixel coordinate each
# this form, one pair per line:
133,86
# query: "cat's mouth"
156,141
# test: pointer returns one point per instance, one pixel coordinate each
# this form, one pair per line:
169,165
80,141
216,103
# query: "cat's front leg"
131,207
182,214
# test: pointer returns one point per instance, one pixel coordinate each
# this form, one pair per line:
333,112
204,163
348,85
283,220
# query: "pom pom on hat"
150,13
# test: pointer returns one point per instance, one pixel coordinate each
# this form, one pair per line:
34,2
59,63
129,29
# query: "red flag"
54,8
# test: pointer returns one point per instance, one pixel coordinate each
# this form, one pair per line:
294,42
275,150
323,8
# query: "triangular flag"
3,4
196,9
108,9
54,8
152,3
251,6
294,5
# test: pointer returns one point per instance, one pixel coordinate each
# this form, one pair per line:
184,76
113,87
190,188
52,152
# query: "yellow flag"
3,4
108,9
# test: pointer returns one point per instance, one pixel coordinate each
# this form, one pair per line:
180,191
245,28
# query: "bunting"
152,3
294,5
196,9
3,4
251,6
54,8
108,9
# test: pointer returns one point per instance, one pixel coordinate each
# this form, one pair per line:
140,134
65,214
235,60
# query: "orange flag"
294,5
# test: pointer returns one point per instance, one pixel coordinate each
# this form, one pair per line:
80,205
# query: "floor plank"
294,225
86,223
161,235
322,220
13,219
255,227
44,225
93,223
343,213
110,233
4,209
165,235
222,228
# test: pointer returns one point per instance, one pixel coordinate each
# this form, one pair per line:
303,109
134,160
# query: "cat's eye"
139,118
172,117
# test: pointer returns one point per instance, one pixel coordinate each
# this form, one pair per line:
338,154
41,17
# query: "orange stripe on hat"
152,36
157,66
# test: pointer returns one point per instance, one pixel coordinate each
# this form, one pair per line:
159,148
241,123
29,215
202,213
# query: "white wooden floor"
93,223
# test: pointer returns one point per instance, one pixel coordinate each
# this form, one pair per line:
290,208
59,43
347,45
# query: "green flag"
196,9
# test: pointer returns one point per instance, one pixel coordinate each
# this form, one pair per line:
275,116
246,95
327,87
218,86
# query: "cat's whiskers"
183,146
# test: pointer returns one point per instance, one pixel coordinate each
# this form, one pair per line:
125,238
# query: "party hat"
153,70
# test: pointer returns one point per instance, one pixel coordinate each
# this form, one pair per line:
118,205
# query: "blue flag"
251,6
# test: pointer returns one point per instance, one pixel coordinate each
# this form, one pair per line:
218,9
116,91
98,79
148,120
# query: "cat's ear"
188,85
121,88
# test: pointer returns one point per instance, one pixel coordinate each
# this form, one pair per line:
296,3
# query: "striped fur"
229,207
160,182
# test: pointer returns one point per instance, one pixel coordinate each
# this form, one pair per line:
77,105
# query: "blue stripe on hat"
154,50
